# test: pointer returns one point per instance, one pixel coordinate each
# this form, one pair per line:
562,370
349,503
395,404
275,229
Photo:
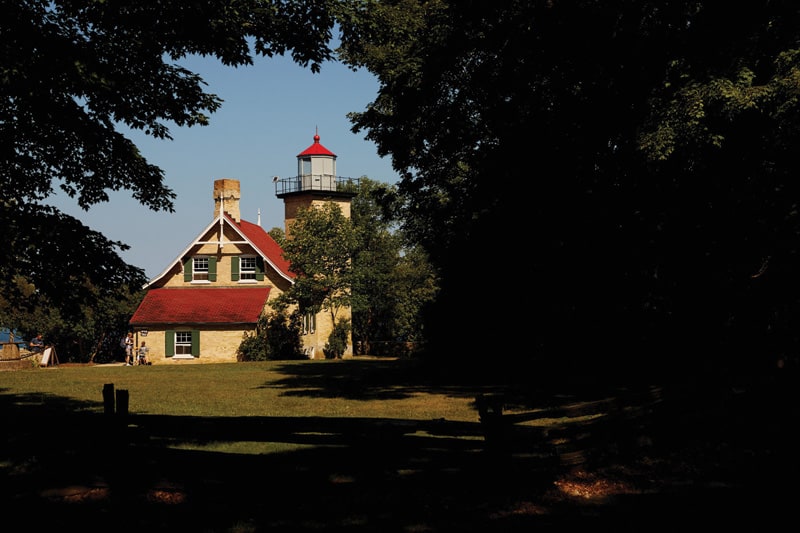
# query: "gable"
241,234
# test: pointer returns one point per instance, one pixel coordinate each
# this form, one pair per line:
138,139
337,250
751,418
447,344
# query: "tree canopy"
612,185
392,280
73,76
622,172
63,282
74,71
320,251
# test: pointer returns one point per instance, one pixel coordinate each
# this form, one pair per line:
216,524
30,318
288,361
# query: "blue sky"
270,113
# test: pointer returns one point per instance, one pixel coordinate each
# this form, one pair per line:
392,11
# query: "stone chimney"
226,198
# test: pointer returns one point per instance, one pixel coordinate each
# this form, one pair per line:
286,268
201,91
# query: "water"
5,337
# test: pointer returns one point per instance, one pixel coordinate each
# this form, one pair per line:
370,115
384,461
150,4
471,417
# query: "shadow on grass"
65,465
356,379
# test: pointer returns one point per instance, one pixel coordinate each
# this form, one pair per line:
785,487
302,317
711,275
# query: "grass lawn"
371,445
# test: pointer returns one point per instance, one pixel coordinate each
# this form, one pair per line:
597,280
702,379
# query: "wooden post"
108,399
495,432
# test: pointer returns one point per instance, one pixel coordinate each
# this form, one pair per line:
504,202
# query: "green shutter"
212,269
260,268
169,343
235,268
187,270
195,343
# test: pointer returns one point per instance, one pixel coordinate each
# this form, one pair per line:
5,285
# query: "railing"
316,182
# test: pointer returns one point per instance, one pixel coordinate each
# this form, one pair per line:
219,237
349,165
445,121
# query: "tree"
623,171
75,71
72,76
278,235
392,282
320,251
63,283
94,335
414,288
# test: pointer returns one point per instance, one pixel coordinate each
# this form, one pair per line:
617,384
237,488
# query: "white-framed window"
183,343
309,323
247,267
200,268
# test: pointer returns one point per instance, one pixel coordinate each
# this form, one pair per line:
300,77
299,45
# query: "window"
305,169
200,269
183,343
247,268
309,323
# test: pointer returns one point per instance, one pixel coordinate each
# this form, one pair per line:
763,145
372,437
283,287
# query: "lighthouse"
316,182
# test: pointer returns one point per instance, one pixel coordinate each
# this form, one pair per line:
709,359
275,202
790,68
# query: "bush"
337,340
283,336
253,348
277,337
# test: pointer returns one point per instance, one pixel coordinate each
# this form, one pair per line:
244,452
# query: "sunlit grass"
341,388
281,389
244,447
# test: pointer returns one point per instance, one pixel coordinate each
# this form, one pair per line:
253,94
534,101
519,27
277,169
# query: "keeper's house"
214,292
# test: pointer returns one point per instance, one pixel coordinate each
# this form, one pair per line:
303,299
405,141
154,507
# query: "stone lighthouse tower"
316,183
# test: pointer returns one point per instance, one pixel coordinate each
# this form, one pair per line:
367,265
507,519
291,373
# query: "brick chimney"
226,198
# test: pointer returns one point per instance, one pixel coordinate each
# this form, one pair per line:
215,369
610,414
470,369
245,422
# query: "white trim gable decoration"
220,221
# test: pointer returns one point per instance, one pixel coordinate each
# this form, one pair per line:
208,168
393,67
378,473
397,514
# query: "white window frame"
309,323
183,343
247,273
198,272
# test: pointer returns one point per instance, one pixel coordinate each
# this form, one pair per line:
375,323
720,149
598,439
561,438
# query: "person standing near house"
129,349
37,344
141,354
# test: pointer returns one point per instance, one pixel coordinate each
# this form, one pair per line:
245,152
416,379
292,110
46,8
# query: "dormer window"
247,268
200,269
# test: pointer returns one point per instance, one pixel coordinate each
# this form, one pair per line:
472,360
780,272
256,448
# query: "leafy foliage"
253,347
279,235
283,336
639,159
277,337
320,251
73,77
60,280
392,282
337,340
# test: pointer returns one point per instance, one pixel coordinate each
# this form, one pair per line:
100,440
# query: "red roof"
316,149
264,242
201,305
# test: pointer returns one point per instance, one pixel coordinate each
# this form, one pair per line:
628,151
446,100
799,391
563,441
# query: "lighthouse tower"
316,183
